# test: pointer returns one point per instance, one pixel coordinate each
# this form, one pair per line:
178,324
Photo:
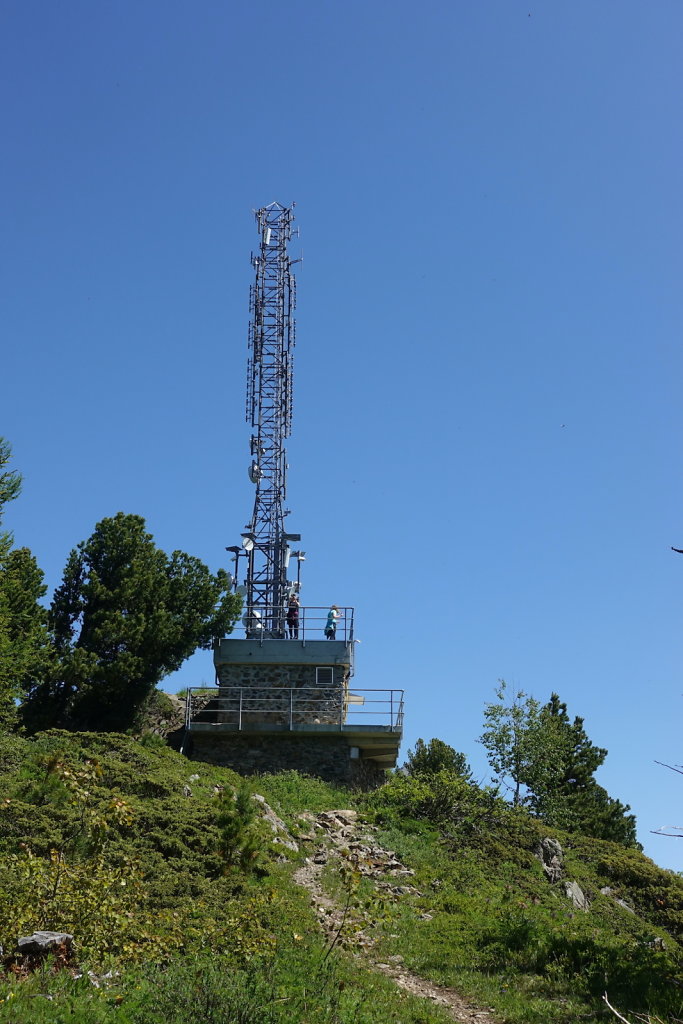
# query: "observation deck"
286,702
370,721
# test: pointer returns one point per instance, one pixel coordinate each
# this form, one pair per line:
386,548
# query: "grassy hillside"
183,907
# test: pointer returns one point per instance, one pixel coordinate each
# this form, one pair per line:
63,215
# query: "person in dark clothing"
293,617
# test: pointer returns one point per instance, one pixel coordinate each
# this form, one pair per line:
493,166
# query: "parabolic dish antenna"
252,619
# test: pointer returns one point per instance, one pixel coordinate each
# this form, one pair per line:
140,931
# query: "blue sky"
487,419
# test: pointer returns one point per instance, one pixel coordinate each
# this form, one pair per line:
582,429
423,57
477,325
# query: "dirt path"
333,830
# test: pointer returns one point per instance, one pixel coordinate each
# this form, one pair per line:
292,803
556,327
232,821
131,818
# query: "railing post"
291,702
239,722
391,719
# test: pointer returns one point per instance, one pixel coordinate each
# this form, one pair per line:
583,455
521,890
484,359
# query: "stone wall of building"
277,675
324,757
263,693
274,705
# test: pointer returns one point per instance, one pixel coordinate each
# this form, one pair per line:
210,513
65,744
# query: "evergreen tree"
25,647
24,640
573,799
435,756
126,614
10,486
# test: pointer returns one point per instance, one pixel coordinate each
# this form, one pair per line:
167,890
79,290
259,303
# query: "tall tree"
10,486
24,639
519,749
573,799
126,614
26,651
551,763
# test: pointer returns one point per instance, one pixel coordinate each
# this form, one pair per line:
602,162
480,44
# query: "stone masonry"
325,757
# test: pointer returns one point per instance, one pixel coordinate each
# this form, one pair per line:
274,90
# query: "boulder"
550,854
576,895
42,943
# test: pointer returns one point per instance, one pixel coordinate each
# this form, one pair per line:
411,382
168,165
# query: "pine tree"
125,615
435,756
574,800
25,649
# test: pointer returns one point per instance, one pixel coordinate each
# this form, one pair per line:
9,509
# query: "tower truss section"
269,411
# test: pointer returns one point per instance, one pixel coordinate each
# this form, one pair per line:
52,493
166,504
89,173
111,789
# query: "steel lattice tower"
269,411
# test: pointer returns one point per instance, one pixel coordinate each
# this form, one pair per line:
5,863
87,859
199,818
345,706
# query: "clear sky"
487,415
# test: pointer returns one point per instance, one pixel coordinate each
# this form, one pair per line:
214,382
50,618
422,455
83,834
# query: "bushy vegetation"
489,922
169,880
167,877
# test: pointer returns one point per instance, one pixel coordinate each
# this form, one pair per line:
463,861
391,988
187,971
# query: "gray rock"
576,895
337,819
277,825
550,854
606,891
43,942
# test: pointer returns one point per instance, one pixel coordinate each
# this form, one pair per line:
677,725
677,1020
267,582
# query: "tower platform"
287,704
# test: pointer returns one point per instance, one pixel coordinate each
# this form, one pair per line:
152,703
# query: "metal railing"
243,707
310,624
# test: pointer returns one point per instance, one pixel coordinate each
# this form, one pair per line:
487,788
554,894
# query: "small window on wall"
324,676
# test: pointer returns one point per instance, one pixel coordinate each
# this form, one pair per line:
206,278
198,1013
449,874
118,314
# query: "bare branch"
615,1012
673,835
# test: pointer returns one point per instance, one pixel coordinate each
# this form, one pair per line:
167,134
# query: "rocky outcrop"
277,825
163,714
551,856
576,894
339,834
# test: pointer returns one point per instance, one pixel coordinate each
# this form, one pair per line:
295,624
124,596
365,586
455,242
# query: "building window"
324,676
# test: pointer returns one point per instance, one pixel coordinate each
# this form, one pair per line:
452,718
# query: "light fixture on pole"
236,552
300,557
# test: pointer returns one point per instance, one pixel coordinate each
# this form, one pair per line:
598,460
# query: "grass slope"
190,908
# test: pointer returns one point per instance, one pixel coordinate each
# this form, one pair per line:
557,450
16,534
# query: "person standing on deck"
331,624
293,617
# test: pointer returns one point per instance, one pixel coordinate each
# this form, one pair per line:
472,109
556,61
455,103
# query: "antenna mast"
272,300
